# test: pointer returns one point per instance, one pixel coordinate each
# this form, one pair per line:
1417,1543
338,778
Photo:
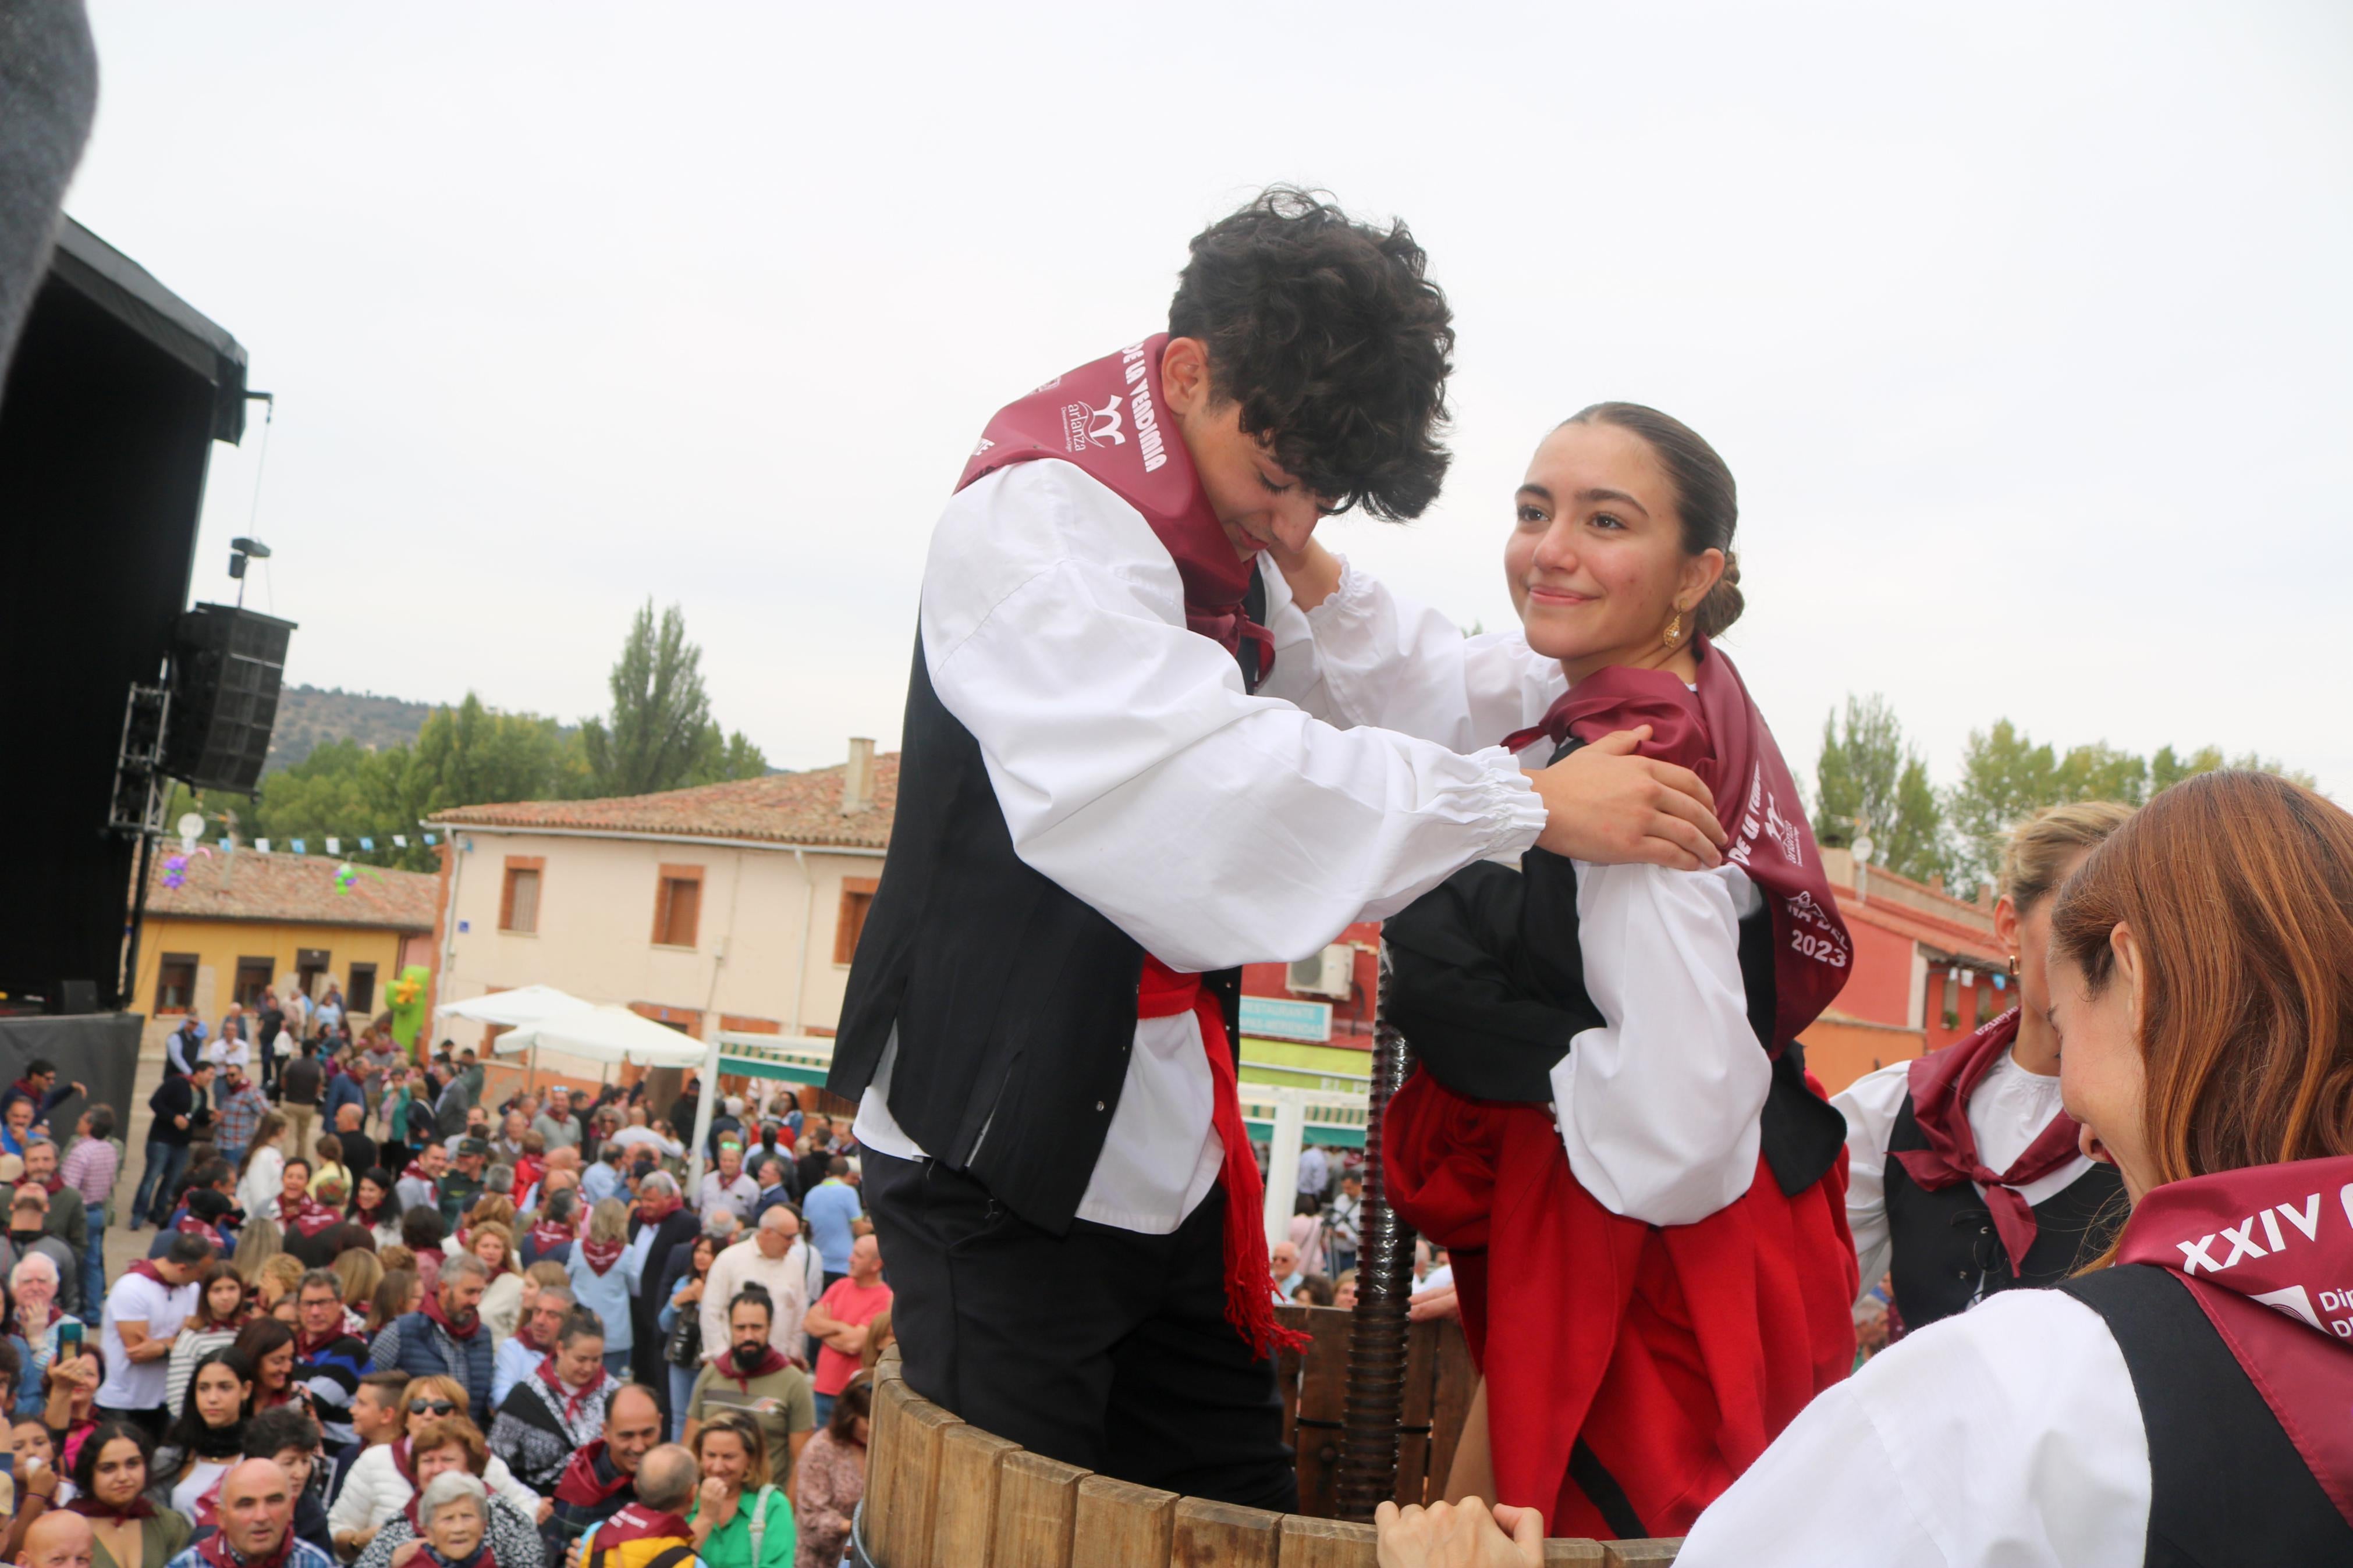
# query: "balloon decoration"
347,873
175,867
406,996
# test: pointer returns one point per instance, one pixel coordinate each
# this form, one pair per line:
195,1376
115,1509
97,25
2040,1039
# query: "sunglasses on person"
431,1406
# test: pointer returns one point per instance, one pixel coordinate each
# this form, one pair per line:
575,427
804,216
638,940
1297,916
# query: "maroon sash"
1106,418
2268,1252
1717,733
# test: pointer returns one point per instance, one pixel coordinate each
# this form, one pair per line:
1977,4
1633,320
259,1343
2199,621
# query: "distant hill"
309,716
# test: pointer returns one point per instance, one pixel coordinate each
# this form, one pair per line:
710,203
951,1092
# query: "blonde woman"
739,1519
1964,1174
361,1271
493,1242
604,1269
257,1244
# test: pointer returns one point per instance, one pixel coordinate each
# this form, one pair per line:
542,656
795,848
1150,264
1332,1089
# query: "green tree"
2006,776
1868,773
659,734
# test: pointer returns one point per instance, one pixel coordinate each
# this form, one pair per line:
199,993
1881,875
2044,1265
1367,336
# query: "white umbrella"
607,1035
511,1010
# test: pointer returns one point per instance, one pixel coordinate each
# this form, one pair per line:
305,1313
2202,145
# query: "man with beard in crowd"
447,1336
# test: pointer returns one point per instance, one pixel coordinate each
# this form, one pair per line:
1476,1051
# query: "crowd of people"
379,1317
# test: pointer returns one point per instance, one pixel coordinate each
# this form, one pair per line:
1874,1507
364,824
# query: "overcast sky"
2026,330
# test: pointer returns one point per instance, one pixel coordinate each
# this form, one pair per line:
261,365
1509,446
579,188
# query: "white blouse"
264,1181
1213,827
2008,1435
1659,1108
2008,1110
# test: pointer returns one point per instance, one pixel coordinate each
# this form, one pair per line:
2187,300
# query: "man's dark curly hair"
1333,340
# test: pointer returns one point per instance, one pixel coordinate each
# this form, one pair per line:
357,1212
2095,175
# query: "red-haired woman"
1612,1130
2187,1405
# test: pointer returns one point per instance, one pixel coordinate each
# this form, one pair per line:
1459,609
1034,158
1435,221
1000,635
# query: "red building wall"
1880,988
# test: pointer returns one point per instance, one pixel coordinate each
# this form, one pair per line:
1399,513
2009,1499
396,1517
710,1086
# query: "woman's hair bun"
1724,601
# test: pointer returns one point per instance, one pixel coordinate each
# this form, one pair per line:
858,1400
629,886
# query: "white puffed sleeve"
2007,1434
1870,1104
1659,1108
1383,660
1213,827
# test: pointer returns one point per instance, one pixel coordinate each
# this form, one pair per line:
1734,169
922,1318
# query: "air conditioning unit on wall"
1331,972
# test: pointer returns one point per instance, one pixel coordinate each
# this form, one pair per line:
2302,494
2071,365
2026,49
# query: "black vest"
2226,1487
1014,1002
1487,983
1946,1252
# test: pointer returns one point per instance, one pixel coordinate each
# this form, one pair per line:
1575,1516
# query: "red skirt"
1676,1352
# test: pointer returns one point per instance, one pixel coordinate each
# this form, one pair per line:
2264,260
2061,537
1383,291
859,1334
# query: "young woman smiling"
109,1478
1610,1102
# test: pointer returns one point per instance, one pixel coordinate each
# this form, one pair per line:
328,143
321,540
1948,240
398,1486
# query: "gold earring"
1675,626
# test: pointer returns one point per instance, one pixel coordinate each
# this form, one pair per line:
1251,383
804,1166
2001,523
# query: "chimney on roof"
858,777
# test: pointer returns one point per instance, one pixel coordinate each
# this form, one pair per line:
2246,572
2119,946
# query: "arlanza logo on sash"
1083,426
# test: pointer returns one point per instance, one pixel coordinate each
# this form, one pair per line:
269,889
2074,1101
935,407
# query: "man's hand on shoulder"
1607,805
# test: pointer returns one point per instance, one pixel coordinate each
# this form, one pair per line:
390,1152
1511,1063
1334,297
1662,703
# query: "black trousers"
1104,1348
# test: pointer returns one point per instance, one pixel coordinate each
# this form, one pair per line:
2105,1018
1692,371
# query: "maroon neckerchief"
433,1310
1106,418
547,1234
416,1168
305,1347
1717,733
1941,1085
603,1255
523,1331
636,1521
572,1402
138,1508
2267,1251
216,1550
771,1360
585,1483
191,1226
146,1268
310,1216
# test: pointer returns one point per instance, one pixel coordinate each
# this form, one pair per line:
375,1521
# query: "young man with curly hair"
1122,778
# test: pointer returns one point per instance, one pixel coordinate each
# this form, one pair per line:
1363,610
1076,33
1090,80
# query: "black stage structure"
117,391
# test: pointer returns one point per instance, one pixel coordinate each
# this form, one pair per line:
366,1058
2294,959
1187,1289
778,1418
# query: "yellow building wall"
219,945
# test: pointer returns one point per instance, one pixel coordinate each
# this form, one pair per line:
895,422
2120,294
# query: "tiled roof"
247,885
782,808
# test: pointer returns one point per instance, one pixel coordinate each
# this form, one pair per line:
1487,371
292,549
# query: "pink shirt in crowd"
90,1168
847,1301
